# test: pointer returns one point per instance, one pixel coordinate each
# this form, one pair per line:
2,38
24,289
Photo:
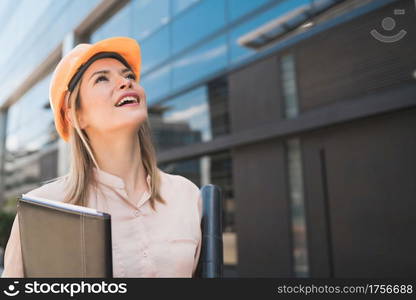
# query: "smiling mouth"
128,101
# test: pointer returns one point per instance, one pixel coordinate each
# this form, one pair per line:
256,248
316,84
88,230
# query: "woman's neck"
122,157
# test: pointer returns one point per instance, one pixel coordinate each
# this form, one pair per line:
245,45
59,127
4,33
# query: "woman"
100,109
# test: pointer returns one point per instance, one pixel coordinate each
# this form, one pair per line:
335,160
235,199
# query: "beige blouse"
146,243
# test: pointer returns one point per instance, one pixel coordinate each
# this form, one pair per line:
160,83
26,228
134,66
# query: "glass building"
234,87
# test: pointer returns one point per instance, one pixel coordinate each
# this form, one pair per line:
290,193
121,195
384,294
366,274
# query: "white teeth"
127,98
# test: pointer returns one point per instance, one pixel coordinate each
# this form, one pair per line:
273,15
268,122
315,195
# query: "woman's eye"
132,76
100,78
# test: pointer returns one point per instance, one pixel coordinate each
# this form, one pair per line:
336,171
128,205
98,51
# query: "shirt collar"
113,180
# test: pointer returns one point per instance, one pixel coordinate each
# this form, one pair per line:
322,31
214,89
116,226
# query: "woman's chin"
137,116
129,125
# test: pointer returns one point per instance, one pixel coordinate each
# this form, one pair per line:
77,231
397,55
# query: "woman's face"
103,85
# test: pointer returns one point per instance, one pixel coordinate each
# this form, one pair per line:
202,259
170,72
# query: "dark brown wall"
262,212
262,219
316,205
370,172
254,95
346,61
359,176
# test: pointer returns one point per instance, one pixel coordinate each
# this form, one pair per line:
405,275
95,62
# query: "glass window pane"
289,89
155,49
297,203
238,8
157,84
118,25
30,128
197,23
30,122
13,118
182,120
218,96
38,41
201,62
239,35
180,5
13,29
196,116
149,15
190,169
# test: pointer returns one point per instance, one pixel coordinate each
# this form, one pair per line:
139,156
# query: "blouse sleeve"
198,249
13,263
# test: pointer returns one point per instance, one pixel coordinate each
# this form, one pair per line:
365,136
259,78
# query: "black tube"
212,246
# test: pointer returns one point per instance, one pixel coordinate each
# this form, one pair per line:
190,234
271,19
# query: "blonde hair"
80,178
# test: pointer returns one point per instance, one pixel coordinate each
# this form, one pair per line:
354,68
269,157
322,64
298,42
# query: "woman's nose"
124,83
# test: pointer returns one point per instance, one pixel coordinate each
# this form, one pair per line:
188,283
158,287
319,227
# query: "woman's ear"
67,111
68,116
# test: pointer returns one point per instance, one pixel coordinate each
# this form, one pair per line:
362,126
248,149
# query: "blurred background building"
302,111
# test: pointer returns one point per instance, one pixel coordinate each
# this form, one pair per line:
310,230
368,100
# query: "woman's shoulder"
178,182
52,189
174,185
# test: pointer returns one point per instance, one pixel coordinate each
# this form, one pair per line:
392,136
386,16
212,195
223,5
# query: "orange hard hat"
73,65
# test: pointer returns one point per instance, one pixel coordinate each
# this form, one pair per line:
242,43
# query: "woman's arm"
13,263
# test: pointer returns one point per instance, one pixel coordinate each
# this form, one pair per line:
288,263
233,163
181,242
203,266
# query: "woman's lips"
130,94
129,104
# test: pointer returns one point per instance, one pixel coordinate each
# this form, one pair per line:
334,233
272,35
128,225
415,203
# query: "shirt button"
137,213
145,254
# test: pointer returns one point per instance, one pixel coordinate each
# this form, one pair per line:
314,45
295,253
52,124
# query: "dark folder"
64,240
